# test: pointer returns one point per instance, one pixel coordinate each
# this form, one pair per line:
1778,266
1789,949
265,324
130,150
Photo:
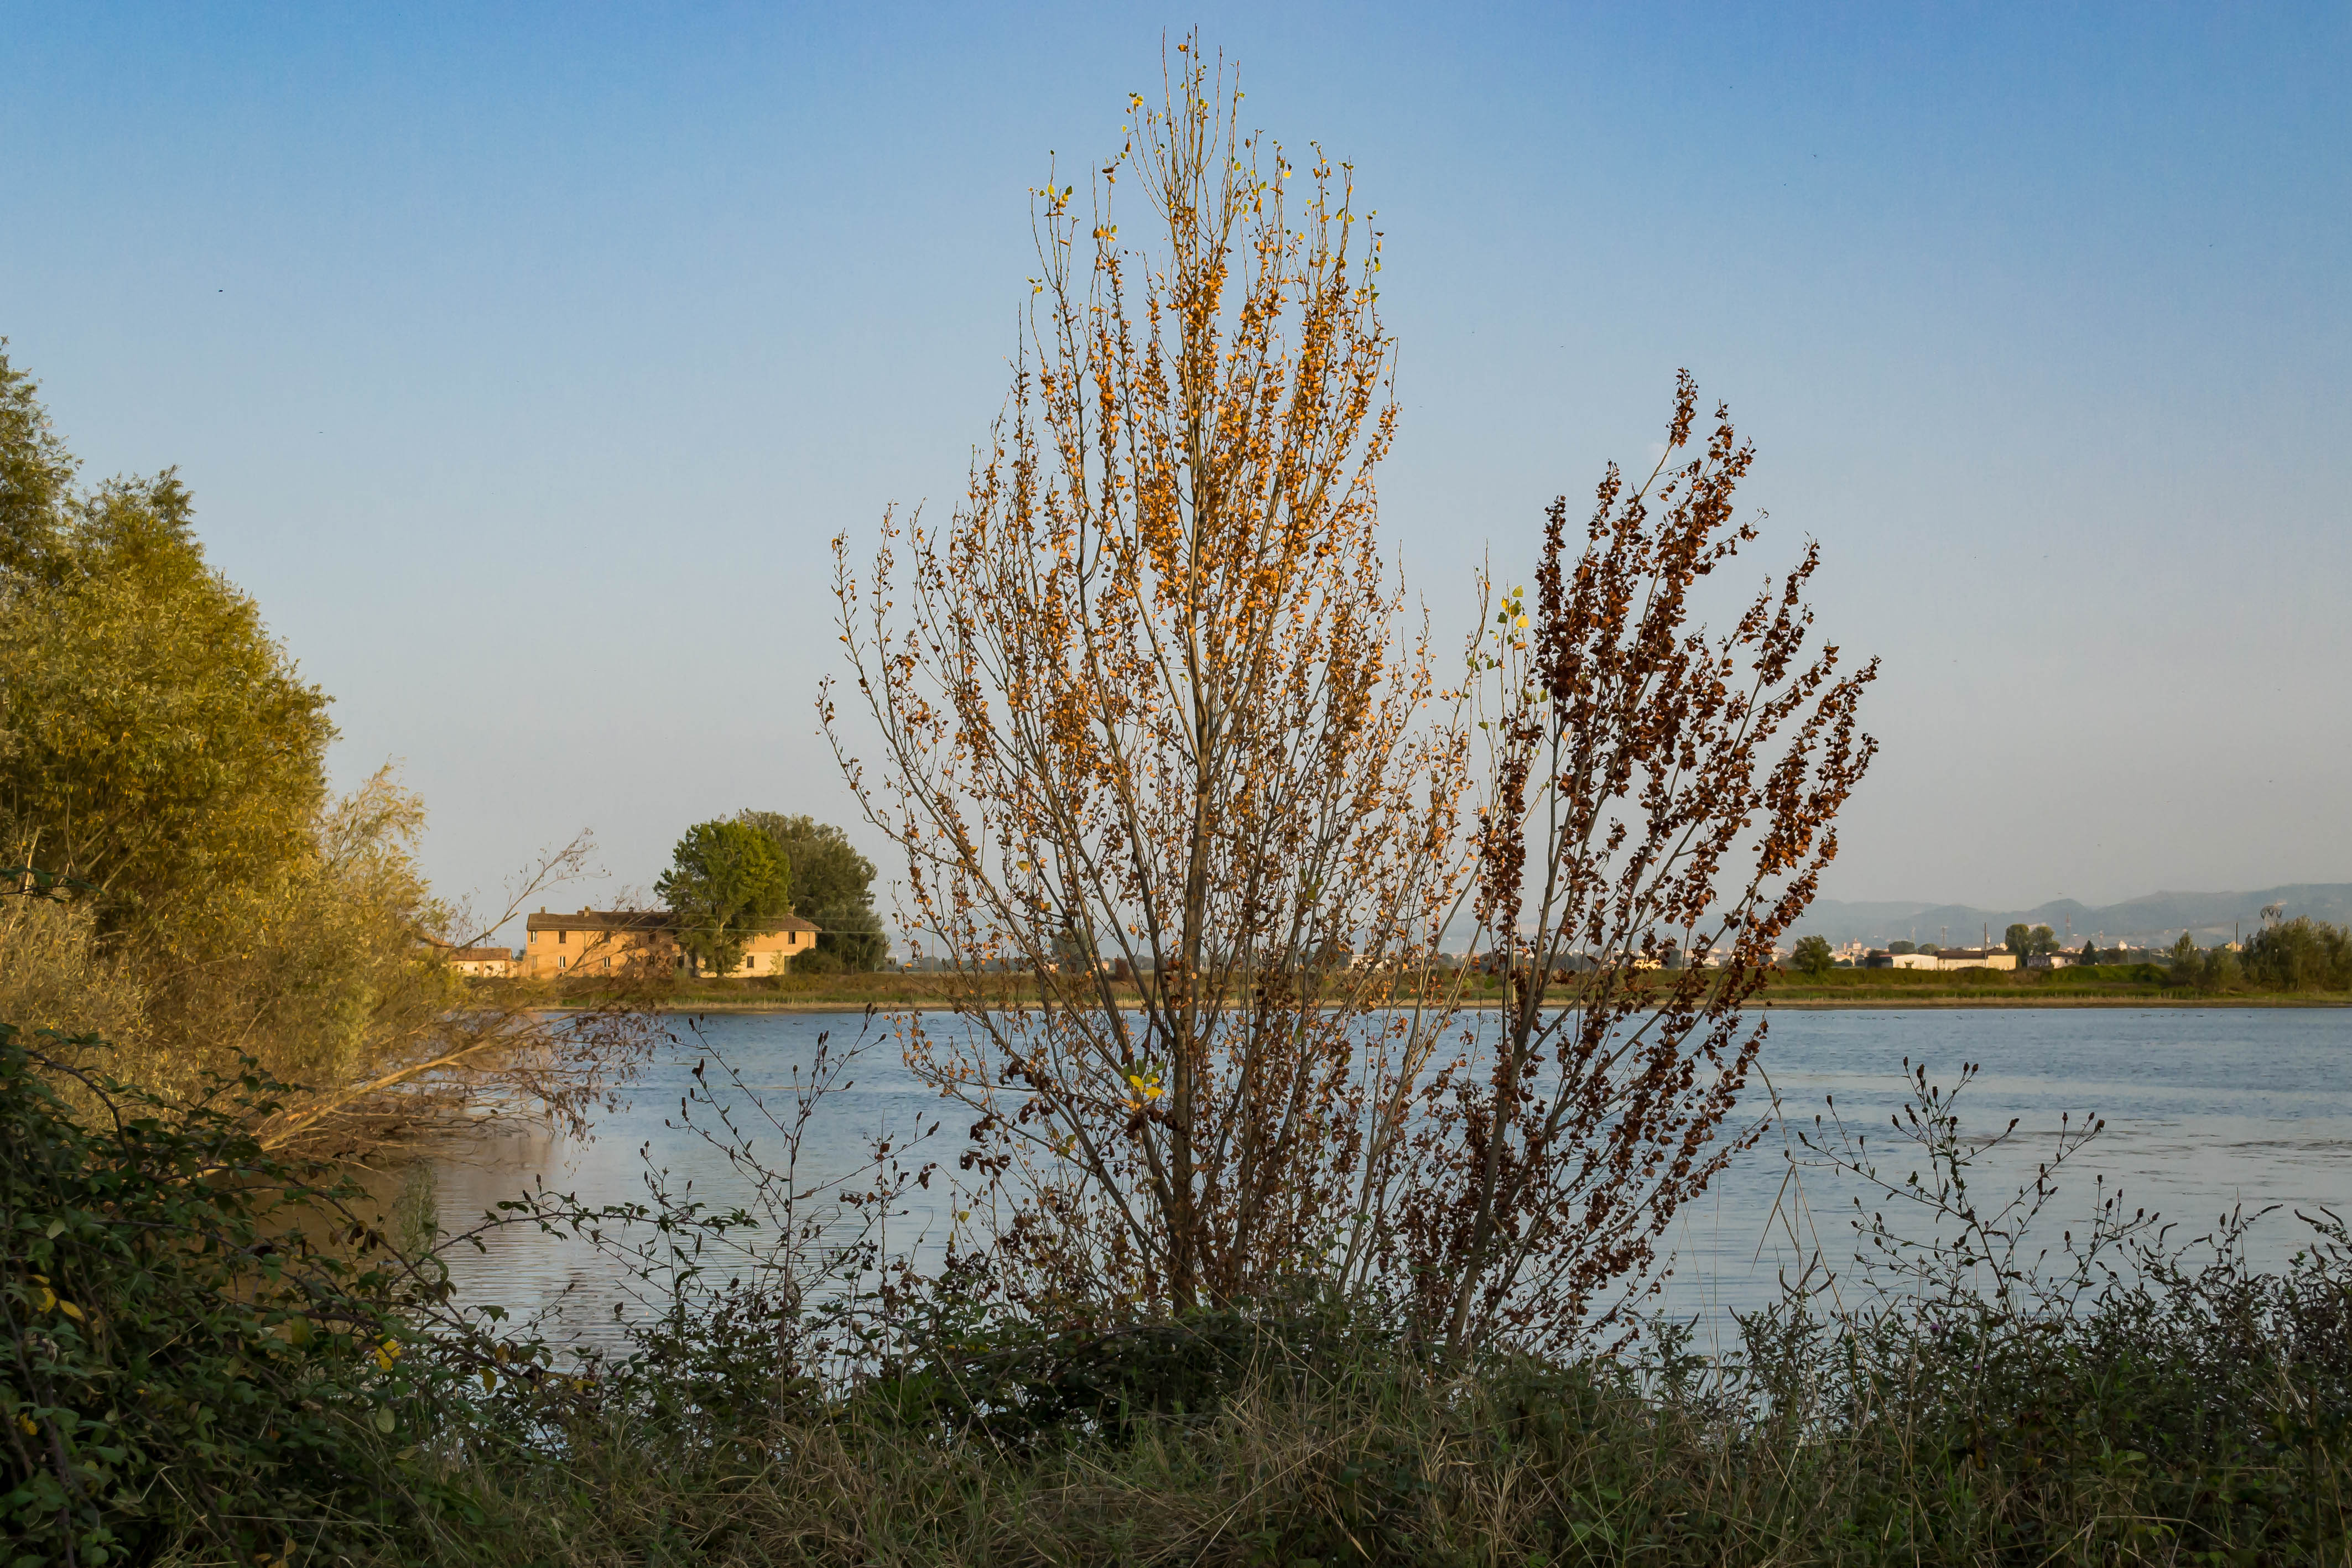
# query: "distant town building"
483,963
615,941
1974,959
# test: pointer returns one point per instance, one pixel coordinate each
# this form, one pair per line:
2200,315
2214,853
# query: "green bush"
203,1344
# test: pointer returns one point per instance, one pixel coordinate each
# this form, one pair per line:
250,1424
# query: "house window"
563,937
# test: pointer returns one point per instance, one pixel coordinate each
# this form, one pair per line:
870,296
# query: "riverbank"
2101,986
1193,1444
295,1407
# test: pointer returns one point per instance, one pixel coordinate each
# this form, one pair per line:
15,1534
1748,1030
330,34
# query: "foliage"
725,881
2300,955
2198,1414
162,765
1812,956
1650,786
1143,704
36,476
831,888
1959,1407
1955,1403
2293,956
190,1355
154,741
2030,941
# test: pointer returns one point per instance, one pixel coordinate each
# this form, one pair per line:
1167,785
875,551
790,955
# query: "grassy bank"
1298,1449
2099,984
2102,984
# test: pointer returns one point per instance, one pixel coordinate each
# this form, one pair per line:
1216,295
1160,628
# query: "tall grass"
2194,1416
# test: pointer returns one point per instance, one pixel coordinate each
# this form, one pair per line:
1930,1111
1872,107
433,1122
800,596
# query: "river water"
2205,1109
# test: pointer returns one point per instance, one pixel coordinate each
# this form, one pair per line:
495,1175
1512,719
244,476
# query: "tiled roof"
649,921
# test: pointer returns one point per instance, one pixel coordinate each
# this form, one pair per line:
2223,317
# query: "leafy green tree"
159,747
2019,939
725,881
2300,955
1901,947
831,888
2089,954
155,741
1812,957
35,477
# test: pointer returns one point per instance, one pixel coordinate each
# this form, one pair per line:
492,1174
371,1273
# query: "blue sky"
522,360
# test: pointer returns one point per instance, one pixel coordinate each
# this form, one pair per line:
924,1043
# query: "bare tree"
1145,712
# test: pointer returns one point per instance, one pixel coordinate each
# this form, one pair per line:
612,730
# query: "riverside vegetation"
2234,983
1265,1257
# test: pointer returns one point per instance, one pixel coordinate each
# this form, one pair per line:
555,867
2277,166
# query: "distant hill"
2155,920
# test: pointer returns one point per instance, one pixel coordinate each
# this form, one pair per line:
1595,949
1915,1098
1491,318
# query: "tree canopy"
832,887
2030,941
2300,955
155,740
725,880
1812,957
159,746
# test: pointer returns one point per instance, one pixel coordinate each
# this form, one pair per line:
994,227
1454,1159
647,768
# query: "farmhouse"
619,941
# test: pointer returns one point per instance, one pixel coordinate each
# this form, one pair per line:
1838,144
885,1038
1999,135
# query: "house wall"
561,954
771,952
556,953
1978,961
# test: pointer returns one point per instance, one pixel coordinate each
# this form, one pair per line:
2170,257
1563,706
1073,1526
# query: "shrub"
202,1343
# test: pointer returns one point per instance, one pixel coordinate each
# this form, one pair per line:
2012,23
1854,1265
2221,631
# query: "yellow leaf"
70,1311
